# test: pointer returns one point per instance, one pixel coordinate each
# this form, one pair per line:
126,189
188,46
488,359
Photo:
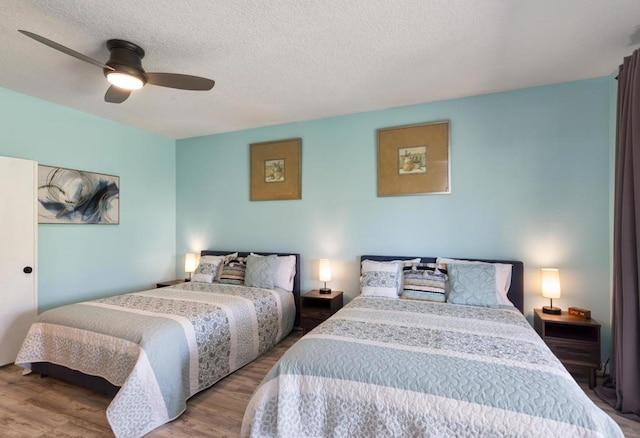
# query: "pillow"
261,271
206,272
423,281
222,258
401,264
381,279
404,264
503,277
233,271
472,284
285,271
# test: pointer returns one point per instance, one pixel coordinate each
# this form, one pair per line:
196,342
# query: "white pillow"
206,271
407,263
213,258
381,279
503,277
285,271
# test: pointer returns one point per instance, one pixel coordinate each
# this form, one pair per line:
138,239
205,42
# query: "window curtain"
623,390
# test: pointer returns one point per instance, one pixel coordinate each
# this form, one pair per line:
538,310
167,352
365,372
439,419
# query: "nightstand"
575,341
170,283
317,307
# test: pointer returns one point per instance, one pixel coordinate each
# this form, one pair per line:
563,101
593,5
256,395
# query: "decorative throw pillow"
233,271
473,284
404,264
381,279
261,271
285,271
424,281
206,272
503,277
222,258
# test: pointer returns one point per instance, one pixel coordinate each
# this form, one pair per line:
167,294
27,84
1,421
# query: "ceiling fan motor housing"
126,57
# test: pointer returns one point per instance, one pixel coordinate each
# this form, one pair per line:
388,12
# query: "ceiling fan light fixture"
124,69
124,80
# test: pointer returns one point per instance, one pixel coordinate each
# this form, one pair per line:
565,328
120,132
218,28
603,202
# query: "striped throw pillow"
424,281
233,271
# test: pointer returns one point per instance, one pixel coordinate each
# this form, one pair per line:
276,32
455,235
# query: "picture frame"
70,196
414,159
276,170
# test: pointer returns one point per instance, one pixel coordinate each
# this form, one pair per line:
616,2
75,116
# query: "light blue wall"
78,262
530,181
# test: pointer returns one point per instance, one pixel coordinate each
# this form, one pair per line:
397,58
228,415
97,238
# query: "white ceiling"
278,61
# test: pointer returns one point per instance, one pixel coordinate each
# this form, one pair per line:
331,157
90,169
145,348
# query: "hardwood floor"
630,428
31,406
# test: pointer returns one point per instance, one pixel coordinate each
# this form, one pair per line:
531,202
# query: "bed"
154,349
409,367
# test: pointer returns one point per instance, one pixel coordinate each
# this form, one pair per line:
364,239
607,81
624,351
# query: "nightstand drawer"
577,352
315,312
310,323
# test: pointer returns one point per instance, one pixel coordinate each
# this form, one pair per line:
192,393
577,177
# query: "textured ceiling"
280,61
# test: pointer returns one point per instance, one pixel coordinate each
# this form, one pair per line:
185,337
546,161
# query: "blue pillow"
261,271
472,284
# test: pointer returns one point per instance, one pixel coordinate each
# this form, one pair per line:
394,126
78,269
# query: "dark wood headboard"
296,279
516,291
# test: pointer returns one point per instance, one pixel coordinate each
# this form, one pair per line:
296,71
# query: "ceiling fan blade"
183,82
116,95
63,49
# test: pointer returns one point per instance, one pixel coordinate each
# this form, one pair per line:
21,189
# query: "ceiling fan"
124,69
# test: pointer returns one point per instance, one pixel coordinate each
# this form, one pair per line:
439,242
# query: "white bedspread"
160,346
402,368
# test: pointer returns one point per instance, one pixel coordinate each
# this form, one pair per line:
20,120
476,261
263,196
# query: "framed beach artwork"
69,196
414,159
276,170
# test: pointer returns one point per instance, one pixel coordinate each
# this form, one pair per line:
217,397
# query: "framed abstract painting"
69,196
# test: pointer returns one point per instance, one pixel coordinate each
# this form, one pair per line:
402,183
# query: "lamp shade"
550,283
324,270
189,262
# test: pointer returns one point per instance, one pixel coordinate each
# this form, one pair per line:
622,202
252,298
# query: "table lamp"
189,264
325,275
551,289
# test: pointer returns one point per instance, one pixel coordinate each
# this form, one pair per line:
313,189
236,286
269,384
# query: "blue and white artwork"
68,196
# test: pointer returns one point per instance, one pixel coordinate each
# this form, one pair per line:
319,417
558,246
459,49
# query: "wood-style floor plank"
35,407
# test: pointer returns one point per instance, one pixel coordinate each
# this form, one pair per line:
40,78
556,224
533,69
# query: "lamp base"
552,310
324,290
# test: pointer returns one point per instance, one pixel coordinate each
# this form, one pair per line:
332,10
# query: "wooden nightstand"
170,283
317,307
575,341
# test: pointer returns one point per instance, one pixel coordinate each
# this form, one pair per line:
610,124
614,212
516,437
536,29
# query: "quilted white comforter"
160,346
401,368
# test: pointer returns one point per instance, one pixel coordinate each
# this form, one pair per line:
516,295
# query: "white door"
18,249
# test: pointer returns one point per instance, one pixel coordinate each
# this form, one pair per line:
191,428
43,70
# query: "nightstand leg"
592,378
